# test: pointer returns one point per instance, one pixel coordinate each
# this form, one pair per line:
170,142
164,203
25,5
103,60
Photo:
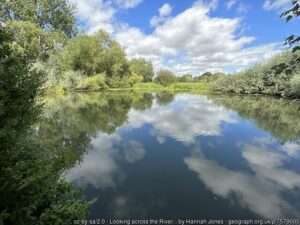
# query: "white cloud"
94,15
128,3
195,42
231,3
276,4
165,10
164,13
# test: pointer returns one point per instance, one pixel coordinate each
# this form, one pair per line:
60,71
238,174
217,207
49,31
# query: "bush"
70,79
275,77
142,68
135,78
295,85
95,54
165,77
94,83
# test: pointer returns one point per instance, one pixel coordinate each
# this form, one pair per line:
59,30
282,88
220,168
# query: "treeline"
279,76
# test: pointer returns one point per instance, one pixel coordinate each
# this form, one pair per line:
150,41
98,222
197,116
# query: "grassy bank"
195,87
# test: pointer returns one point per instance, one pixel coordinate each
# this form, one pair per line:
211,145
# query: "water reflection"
100,167
163,155
188,117
261,189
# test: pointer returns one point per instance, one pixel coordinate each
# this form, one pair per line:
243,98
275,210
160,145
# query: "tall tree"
48,14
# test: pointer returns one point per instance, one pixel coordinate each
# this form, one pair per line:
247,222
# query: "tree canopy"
165,77
95,54
142,68
48,14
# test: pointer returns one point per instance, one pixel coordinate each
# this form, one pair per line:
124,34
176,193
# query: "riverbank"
195,87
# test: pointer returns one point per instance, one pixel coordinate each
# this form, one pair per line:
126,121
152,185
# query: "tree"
36,43
143,68
31,188
290,14
95,54
165,77
48,14
186,78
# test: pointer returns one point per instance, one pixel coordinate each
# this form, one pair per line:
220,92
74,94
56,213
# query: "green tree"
143,68
97,54
186,78
165,77
48,14
34,42
31,188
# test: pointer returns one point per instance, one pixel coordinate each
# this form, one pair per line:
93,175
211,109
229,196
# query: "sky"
191,36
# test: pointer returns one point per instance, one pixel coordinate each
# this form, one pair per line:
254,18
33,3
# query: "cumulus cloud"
94,15
164,13
276,4
194,42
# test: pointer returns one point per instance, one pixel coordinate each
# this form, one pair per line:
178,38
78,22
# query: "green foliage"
270,78
208,77
295,85
290,14
53,15
94,83
191,86
185,78
70,80
143,68
147,86
33,41
19,84
83,54
31,188
91,55
134,79
165,77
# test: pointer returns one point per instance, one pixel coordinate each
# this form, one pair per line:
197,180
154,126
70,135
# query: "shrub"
275,77
93,83
70,79
142,68
295,85
165,77
135,78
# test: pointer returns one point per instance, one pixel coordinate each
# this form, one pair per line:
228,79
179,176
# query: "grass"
195,87
178,86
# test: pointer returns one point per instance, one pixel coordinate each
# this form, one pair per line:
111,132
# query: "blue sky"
191,36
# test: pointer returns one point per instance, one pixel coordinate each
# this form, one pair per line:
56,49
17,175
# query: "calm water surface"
181,156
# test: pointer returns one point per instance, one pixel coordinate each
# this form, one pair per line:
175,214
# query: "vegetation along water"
87,132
